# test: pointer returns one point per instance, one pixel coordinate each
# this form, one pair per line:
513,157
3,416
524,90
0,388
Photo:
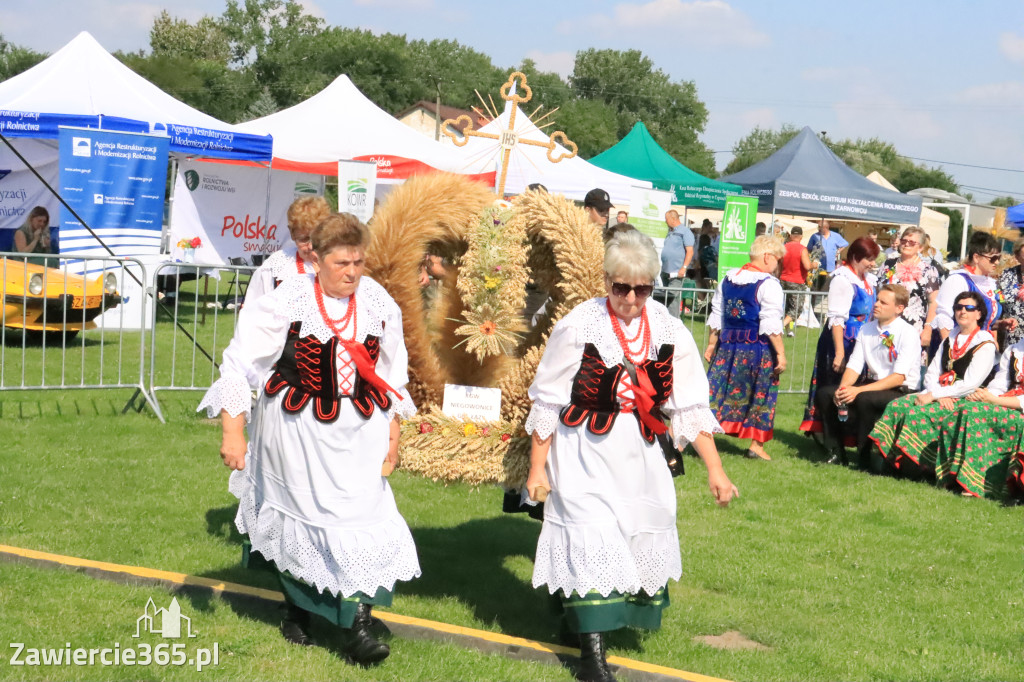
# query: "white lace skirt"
610,520
312,500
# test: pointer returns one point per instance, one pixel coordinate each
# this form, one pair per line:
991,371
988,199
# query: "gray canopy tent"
806,178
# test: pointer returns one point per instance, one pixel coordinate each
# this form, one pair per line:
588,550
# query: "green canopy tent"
638,156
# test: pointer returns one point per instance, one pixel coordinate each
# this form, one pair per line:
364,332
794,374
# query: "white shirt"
280,265
979,369
871,350
953,287
1011,360
840,293
769,297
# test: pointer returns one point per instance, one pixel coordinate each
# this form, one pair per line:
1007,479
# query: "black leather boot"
360,645
295,626
593,666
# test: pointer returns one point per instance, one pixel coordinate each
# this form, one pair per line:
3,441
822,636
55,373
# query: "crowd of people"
620,390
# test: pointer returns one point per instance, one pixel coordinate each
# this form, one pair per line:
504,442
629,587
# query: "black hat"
599,199
536,187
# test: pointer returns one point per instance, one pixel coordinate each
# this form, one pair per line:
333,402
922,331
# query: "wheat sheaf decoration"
494,249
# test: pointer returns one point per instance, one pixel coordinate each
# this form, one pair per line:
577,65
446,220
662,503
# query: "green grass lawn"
843,576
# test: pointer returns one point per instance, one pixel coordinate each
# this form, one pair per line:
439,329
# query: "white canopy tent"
82,78
529,164
339,122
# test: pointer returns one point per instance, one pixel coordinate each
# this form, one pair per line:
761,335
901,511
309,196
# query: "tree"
635,90
867,156
591,124
15,59
210,86
1004,202
457,71
758,145
205,40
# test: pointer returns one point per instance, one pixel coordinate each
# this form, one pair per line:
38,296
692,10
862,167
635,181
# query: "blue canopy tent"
1015,216
82,85
806,178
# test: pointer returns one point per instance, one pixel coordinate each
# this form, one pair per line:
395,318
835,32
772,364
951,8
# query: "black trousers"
866,409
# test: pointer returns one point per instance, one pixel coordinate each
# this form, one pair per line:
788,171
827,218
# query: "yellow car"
47,302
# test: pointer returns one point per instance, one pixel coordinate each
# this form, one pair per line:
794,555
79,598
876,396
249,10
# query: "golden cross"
508,138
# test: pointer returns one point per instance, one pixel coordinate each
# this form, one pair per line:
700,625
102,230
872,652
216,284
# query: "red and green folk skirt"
981,452
908,435
744,388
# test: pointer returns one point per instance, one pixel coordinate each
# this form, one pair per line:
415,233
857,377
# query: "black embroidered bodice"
308,369
593,399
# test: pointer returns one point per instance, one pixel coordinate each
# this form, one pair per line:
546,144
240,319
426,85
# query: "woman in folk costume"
908,433
614,368
295,257
327,358
976,275
851,296
745,348
985,445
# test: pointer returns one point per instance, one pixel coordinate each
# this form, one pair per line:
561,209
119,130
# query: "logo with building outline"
81,146
164,622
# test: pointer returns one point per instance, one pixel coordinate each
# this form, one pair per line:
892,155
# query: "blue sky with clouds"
942,80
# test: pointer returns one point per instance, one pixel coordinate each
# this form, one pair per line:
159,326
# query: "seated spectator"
885,365
907,436
34,235
981,446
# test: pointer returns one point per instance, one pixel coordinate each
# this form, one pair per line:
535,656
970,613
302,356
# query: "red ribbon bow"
644,394
947,378
365,366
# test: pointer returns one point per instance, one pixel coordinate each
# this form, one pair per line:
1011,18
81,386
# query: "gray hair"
914,229
767,243
631,255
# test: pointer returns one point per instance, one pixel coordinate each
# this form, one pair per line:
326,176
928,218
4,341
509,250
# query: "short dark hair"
861,248
979,301
981,243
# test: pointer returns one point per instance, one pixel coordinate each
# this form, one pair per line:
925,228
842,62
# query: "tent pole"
165,242
266,209
963,232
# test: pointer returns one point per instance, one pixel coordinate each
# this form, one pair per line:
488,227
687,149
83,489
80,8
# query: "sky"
941,80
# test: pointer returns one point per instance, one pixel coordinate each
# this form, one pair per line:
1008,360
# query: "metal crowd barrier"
194,320
800,348
72,322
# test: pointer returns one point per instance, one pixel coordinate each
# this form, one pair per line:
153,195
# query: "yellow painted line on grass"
386,616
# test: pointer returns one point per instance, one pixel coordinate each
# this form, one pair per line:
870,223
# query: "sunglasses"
965,306
992,258
622,289
909,242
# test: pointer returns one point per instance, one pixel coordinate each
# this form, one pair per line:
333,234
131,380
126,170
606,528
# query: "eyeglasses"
622,289
909,242
304,239
992,258
965,306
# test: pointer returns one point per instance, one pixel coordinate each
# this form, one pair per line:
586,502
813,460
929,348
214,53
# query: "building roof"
446,113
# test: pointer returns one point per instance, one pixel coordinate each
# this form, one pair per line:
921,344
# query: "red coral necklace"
336,326
300,265
620,334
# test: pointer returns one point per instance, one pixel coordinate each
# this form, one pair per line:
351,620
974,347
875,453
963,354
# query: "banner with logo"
20,189
737,233
647,209
357,188
115,182
224,207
